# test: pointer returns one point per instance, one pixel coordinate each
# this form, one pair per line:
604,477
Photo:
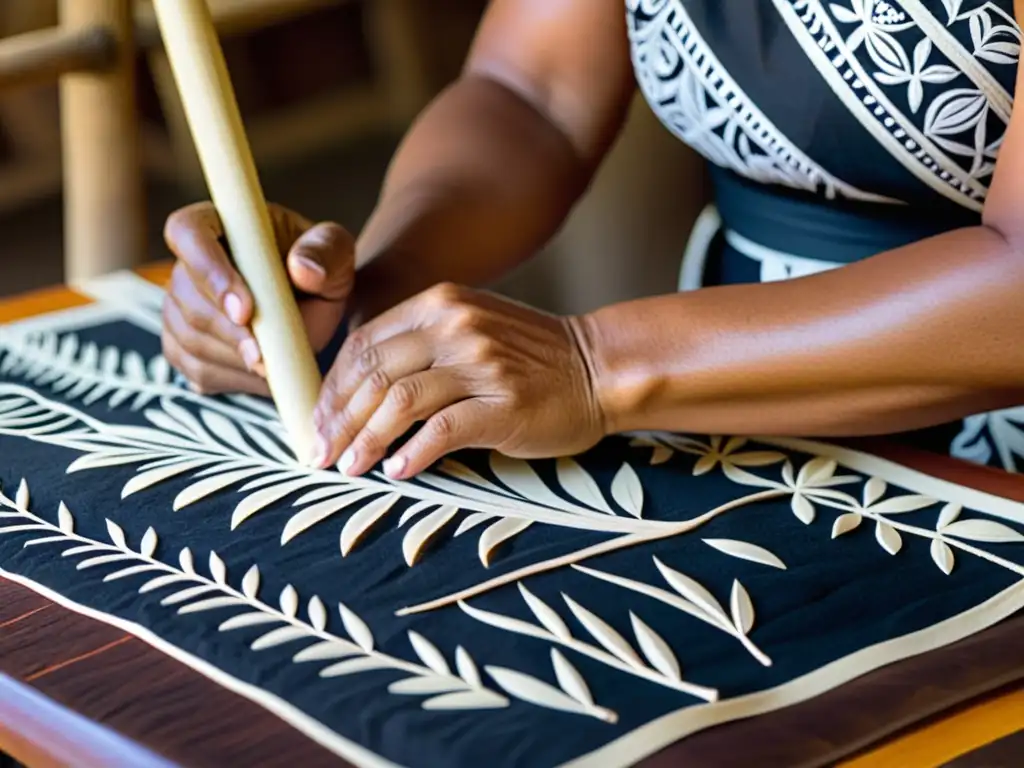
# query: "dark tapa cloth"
834,598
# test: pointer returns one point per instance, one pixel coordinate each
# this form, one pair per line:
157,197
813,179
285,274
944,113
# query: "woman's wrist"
624,379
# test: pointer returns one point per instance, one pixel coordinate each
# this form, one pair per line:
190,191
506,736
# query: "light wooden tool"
210,106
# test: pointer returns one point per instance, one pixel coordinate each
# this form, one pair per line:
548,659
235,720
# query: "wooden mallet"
211,108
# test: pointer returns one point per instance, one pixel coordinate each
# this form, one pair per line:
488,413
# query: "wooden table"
68,674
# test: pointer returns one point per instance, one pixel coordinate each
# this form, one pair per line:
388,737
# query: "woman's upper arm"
568,58
1004,208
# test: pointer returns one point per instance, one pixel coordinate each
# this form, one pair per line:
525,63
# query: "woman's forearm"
480,183
906,339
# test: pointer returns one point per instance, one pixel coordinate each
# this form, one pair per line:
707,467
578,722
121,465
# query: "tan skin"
906,339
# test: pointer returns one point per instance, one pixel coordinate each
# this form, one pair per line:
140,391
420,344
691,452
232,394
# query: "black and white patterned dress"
836,130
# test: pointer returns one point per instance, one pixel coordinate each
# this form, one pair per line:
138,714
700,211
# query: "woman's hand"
208,308
479,371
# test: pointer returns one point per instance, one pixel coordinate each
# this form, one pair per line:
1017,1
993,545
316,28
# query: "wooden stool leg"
104,224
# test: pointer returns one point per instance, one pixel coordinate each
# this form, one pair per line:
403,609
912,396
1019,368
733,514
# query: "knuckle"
404,395
357,343
444,426
379,381
446,295
368,361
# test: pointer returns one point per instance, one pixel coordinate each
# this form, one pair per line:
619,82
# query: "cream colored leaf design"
144,480
101,560
314,514
133,570
186,561
251,582
628,492
327,650
746,551
601,631
103,459
208,486
462,472
545,614
65,520
950,512
21,496
147,548
942,554
987,531
705,464
691,590
260,500
846,523
267,445
467,668
244,620
497,534
570,680
470,522
356,628
187,594
362,520
116,534
579,484
425,529
888,537
209,604
901,504
521,478
480,698
218,570
425,686
817,470
742,608
317,612
874,489
226,431
654,647
428,653
351,666
289,601
322,494
279,636
163,581
802,508
535,691
416,509
660,455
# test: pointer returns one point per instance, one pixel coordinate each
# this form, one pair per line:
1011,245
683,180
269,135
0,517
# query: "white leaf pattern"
627,491
545,614
498,533
655,649
942,555
742,608
601,631
746,551
888,537
356,628
983,530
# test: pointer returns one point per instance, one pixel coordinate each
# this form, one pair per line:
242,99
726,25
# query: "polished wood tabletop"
45,721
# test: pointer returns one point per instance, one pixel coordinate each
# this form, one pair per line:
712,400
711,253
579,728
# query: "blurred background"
327,88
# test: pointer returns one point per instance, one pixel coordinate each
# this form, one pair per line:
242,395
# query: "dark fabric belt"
838,231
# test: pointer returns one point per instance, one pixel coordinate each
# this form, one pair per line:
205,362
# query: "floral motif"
953,134
695,97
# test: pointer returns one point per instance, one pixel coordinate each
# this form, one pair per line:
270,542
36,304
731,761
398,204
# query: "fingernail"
250,352
395,466
348,459
233,306
308,263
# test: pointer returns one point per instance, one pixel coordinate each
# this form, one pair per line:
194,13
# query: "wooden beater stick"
212,111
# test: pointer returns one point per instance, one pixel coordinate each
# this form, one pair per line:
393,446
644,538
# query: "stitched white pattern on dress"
696,98
874,53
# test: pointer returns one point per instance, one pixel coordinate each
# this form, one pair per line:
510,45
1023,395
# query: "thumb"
321,262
